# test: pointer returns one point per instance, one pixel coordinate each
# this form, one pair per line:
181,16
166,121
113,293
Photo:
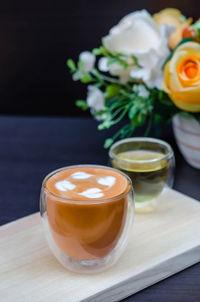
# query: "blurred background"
37,37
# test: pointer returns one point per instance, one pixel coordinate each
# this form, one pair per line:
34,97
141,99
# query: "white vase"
187,135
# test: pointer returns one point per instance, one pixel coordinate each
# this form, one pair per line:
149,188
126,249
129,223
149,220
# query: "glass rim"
81,201
169,154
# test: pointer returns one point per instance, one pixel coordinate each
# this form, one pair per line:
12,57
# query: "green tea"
147,172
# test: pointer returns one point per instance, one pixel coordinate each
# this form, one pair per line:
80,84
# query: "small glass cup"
150,164
87,236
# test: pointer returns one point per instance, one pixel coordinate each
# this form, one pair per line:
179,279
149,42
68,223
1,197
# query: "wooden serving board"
160,245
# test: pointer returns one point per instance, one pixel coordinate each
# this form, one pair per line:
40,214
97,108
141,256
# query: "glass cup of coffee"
149,163
87,212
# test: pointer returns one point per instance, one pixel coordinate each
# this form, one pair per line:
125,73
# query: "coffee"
86,210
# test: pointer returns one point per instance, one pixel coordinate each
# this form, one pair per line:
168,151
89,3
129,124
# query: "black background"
37,37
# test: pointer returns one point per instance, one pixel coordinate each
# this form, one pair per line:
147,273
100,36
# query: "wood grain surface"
161,244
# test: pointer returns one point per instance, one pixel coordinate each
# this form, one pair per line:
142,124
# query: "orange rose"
182,77
172,16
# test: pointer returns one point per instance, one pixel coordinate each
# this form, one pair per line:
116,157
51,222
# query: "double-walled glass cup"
87,236
150,164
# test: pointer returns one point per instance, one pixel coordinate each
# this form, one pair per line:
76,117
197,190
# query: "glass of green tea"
150,164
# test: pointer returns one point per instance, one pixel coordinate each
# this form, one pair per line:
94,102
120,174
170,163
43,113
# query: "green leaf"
80,65
98,75
96,51
160,94
138,120
87,78
105,125
141,119
71,65
112,91
82,104
198,32
157,118
108,142
100,51
125,131
184,41
77,75
111,61
135,61
118,60
132,112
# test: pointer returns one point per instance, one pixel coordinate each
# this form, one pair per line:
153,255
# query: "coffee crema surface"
87,183
86,210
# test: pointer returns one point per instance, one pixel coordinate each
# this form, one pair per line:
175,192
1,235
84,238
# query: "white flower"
115,69
88,60
95,98
103,64
141,91
138,35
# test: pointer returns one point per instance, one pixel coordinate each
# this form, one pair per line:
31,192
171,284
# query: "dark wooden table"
31,147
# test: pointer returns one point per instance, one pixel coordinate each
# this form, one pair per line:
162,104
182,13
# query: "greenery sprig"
123,100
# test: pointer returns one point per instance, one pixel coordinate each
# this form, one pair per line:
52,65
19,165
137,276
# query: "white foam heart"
64,185
92,193
81,175
107,181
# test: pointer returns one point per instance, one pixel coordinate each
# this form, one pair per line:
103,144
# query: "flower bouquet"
146,71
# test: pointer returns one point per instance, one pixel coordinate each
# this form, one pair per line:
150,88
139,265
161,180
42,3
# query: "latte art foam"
92,193
67,184
87,183
64,185
80,175
107,181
